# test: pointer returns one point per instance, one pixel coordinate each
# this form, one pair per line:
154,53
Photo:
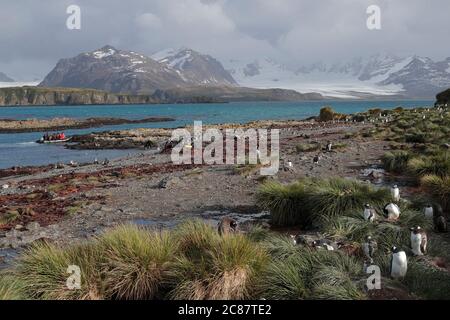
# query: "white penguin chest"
416,242
399,264
429,212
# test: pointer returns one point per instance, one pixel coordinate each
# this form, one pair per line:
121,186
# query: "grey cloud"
33,36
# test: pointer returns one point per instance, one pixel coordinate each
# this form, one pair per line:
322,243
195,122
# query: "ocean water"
21,149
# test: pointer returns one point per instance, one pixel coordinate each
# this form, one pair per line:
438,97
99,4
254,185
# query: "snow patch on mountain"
380,75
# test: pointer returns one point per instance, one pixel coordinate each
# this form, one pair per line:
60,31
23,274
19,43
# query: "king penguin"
418,241
399,263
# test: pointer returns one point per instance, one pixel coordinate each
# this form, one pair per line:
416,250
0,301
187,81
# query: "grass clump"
214,267
301,203
11,288
43,271
438,188
438,164
310,274
136,262
396,161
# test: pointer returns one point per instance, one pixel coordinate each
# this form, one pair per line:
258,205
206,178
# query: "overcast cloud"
33,34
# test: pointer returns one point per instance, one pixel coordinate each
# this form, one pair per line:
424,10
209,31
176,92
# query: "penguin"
106,162
316,159
399,263
418,241
440,224
322,244
227,225
391,211
95,161
329,146
395,193
369,247
428,211
298,239
369,213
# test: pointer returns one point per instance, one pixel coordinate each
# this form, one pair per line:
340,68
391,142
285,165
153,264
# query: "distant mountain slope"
116,70
194,67
378,75
5,78
112,70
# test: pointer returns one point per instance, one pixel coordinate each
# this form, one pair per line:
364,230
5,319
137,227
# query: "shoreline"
8,126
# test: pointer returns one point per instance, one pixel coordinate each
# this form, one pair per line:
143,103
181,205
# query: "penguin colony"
398,260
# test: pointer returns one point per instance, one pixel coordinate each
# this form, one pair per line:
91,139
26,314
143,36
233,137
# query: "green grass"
136,263
42,270
438,164
309,274
214,267
396,161
438,188
303,202
11,288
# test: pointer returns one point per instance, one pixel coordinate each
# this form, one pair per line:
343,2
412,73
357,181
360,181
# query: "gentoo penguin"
298,239
329,146
399,263
441,224
369,247
418,241
227,225
322,244
391,211
428,211
395,193
316,159
369,213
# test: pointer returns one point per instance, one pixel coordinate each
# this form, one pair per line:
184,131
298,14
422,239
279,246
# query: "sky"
34,36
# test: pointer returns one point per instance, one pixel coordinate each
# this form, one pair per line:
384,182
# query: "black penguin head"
369,237
233,224
314,243
367,206
394,249
395,186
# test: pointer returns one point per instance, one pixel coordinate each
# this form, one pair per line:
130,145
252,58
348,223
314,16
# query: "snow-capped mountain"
116,70
194,67
378,75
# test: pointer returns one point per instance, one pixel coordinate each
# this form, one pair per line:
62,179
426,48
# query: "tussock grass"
11,288
426,281
396,161
214,267
438,188
310,274
42,270
136,262
303,202
438,164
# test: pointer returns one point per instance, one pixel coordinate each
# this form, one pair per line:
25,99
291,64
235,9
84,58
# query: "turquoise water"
20,149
